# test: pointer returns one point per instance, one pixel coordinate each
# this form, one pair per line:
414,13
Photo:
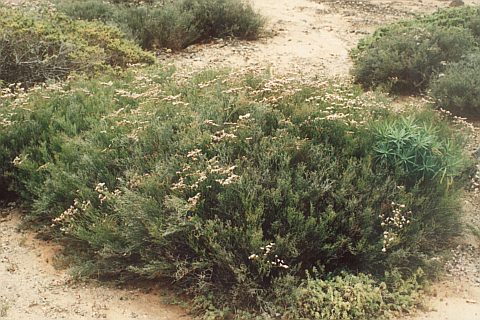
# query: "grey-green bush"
403,57
88,10
406,59
173,24
457,89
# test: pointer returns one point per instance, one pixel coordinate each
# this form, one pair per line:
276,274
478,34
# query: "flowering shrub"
229,185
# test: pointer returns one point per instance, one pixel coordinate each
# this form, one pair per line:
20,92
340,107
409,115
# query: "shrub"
165,27
224,184
457,89
416,149
406,59
343,297
88,10
404,56
223,18
174,24
38,47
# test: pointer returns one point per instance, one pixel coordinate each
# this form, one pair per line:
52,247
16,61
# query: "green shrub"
223,18
406,59
229,186
417,150
38,47
165,27
457,89
88,10
174,24
343,297
404,56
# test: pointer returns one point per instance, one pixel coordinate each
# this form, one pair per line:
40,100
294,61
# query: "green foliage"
417,150
88,10
457,89
230,186
173,24
343,297
403,57
135,2
38,47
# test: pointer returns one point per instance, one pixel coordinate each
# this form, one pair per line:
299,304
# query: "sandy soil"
457,295
306,37
310,37
32,289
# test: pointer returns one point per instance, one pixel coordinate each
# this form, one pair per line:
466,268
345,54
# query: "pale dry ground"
305,38
457,295
311,37
32,289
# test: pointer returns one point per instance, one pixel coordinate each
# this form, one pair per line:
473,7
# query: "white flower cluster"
267,250
194,200
17,161
198,176
211,123
222,135
172,98
228,171
104,194
102,191
194,154
127,94
233,90
6,119
276,90
69,214
228,180
392,224
207,83
245,117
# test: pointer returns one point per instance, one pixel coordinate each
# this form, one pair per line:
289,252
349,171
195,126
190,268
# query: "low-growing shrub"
173,24
403,57
344,297
88,10
230,186
347,296
416,149
457,89
37,47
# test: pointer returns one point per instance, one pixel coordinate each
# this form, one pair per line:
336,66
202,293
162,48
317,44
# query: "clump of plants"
347,296
404,57
172,24
234,186
35,47
458,88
